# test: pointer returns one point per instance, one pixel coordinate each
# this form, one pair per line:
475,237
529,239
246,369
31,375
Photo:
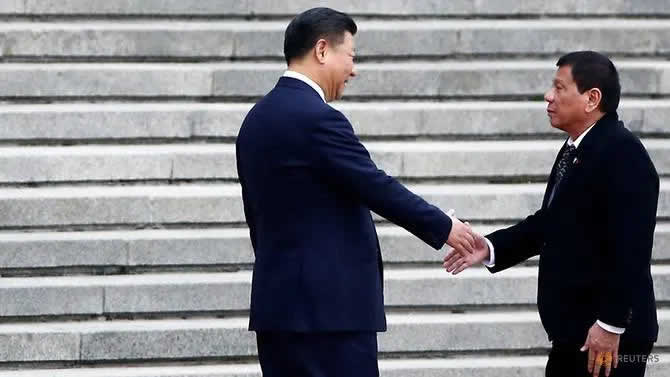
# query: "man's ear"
593,99
321,50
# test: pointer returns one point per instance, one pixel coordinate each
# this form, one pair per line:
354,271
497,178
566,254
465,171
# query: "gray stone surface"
114,40
442,79
141,162
201,247
121,205
56,249
494,159
165,339
503,366
461,332
178,292
392,7
380,119
210,370
387,89
484,367
125,248
48,296
152,248
662,242
242,39
229,337
222,203
32,346
73,207
75,80
168,339
652,121
425,79
201,292
144,7
196,338
497,202
12,7
399,246
120,121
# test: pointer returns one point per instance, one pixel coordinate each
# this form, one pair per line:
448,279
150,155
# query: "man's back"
308,186
317,258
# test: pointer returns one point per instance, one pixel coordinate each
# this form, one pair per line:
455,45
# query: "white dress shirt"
306,80
491,261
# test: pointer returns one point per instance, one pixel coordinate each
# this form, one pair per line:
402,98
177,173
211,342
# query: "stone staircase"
123,248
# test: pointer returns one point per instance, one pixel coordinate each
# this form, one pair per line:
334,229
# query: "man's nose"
354,73
549,95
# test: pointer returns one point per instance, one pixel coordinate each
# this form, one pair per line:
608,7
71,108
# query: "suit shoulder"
624,140
626,146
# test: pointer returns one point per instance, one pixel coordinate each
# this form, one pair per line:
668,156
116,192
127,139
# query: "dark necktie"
563,167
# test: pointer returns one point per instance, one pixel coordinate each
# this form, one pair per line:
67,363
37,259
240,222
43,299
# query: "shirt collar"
580,138
306,80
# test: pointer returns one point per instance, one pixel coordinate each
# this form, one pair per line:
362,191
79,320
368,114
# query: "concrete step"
395,7
197,204
493,159
386,38
447,79
197,247
114,121
498,366
208,338
434,79
230,291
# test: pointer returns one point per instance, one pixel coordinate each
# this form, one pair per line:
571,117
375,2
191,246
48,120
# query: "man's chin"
555,124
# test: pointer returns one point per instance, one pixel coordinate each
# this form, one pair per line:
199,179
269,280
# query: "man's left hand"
603,347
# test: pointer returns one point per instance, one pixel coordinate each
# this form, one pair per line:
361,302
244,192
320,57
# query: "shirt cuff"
492,255
609,328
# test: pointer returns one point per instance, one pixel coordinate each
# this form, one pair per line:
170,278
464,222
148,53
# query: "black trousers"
333,354
566,360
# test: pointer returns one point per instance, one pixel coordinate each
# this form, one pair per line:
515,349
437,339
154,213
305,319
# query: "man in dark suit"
594,232
308,186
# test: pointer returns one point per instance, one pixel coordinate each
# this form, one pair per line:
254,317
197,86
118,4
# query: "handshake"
468,247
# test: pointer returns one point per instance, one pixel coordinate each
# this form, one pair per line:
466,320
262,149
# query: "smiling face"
566,107
339,67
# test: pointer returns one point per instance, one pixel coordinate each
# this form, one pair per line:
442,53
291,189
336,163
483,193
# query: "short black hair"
594,70
311,25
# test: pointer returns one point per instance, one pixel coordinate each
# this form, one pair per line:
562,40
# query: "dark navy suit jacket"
594,239
308,186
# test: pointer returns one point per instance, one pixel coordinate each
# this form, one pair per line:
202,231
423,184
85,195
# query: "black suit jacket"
308,186
594,239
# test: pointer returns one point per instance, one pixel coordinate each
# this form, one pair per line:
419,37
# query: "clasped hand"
465,254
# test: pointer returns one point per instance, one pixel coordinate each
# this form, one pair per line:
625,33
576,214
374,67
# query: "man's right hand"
455,262
461,237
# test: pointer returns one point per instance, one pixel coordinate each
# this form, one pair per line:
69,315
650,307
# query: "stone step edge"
254,369
460,105
241,323
477,363
436,65
415,23
405,146
205,233
263,8
244,277
234,190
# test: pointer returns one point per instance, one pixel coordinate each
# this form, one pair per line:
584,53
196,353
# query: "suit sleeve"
344,162
519,242
248,215
631,188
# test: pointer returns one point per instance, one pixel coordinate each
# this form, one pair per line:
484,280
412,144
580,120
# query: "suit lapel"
587,149
552,178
